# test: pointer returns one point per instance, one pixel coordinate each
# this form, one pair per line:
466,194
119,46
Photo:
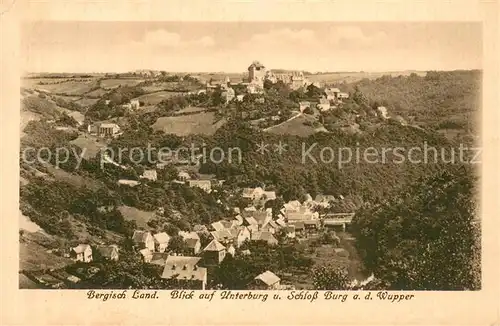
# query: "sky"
58,46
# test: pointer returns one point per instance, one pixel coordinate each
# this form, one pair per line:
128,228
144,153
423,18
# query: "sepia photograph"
247,155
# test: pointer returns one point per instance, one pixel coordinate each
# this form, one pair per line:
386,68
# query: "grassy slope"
201,123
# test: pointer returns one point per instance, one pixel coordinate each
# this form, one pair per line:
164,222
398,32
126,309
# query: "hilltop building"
104,129
256,73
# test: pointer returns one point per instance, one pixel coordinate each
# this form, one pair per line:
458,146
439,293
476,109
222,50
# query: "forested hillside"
443,100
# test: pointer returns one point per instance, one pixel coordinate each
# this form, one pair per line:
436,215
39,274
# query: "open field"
295,126
86,101
71,178
41,82
219,76
201,123
351,77
69,88
190,109
96,93
92,145
78,116
113,83
67,98
134,214
43,106
157,97
33,256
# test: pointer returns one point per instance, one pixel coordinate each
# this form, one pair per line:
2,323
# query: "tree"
313,91
330,278
308,110
177,244
424,238
268,84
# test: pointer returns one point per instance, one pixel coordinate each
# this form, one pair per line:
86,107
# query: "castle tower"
256,73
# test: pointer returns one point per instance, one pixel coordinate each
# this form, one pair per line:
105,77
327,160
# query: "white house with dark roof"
193,245
332,93
143,239
82,252
110,252
103,129
323,105
161,241
147,255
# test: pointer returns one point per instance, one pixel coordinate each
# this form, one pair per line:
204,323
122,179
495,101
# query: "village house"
214,253
223,236
193,246
130,183
206,185
265,281
337,221
383,112
102,129
323,105
243,235
110,252
271,226
304,105
312,225
228,94
299,227
238,219
188,235
147,255
183,176
249,209
290,231
294,79
251,223
223,224
143,239
261,217
135,104
159,258
82,252
343,95
231,250
255,89
150,175
185,270
281,222
47,280
264,236
161,241
332,94
324,200
258,194
127,106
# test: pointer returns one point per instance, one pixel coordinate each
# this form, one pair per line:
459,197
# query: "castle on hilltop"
257,74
